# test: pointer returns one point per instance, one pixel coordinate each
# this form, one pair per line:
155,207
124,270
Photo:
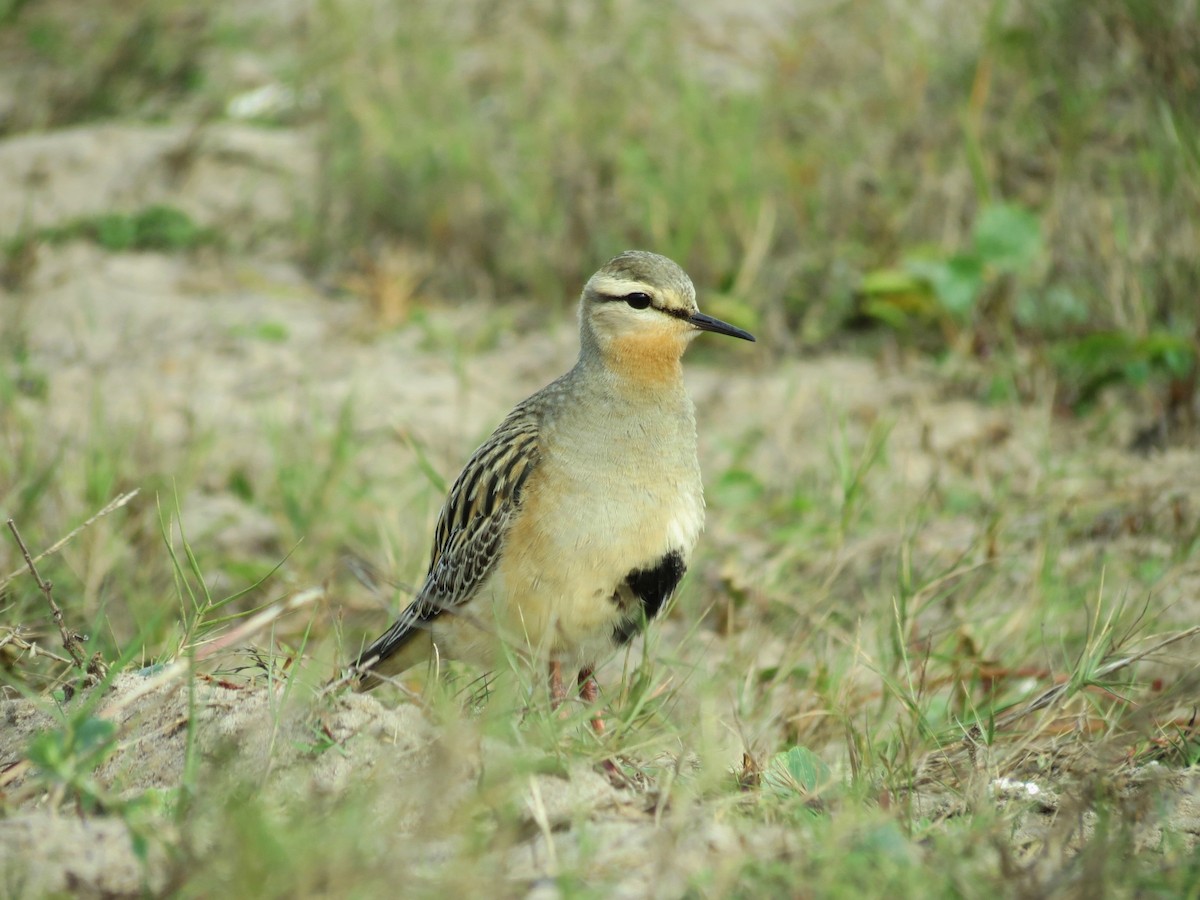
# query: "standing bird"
571,526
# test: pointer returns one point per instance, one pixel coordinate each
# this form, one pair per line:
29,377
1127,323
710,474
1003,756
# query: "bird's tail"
406,644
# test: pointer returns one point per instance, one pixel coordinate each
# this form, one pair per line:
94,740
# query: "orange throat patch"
647,358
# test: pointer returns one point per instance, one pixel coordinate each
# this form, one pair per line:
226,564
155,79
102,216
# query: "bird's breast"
628,488
613,518
612,513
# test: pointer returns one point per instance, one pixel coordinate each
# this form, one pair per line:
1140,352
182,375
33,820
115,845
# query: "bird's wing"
471,528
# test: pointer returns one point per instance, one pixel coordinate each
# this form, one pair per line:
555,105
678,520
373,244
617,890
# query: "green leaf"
139,845
115,231
1007,237
1176,353
796,771
890,281
1178,362
166,228
956,282
885,840
46,751
1097,360
1137,371
93,733
1054,309
888,313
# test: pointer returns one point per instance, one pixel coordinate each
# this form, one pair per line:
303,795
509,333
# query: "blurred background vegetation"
998,178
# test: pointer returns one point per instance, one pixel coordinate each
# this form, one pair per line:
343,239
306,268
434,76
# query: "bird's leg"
589,691
558,693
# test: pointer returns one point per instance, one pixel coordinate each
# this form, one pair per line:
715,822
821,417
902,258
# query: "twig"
13,636
57,545
71,641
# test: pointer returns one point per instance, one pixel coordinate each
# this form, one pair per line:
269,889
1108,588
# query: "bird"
570,527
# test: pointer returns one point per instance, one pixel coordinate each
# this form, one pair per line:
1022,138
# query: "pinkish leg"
589,691
558,693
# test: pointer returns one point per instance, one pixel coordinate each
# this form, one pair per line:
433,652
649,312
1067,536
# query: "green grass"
162,228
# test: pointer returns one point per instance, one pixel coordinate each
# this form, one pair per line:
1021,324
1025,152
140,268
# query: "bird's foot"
589,692
558,691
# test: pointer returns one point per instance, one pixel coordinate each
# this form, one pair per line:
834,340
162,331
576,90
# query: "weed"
162,228
67,759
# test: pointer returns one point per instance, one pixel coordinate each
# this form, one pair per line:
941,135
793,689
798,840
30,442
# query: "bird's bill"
708,323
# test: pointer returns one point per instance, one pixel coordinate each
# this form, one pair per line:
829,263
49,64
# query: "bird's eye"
638,300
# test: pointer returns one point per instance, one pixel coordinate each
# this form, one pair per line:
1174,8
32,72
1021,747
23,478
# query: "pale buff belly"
576,540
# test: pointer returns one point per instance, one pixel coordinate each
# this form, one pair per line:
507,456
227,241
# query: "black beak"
708,323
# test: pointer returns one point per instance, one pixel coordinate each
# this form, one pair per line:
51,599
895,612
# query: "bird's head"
639,312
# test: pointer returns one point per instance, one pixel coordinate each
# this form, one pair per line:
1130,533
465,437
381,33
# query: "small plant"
1089,364
67,759
201,614
797,772
1006,245
158,227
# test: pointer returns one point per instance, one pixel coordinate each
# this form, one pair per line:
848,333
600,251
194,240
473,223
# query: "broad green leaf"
93,733
890,281
956,282
1007,237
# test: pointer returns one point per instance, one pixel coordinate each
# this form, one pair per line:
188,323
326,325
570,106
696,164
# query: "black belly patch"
652,588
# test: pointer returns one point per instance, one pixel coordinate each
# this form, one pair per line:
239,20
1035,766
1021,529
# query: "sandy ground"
174,347
413,778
